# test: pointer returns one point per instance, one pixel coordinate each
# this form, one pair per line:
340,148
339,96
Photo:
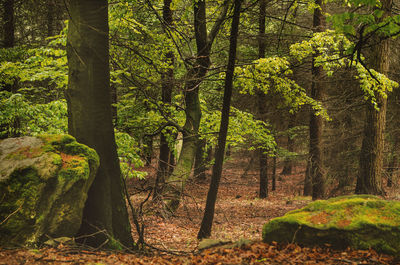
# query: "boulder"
358,221
44,182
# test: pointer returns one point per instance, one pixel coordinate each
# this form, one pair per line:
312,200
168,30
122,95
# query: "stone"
358,221
44,182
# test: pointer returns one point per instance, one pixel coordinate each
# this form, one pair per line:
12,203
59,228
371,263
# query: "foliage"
128,153
245,131
273,74
331,49
20,117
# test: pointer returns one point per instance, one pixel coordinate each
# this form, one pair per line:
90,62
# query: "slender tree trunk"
274,173
167,80
261,101
288,164
316,122
8,24
177,180
263,160
89,119
206,224
369,179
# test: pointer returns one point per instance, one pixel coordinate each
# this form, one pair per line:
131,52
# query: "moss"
20,193
48,191
359,221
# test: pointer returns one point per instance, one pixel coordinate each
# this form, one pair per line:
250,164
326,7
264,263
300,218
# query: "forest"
195,132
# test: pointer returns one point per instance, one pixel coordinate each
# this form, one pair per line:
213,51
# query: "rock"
44,182
358,221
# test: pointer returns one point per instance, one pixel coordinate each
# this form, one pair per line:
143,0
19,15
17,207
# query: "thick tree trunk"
206,224
316,122
89,119
8,24
394,161
369,179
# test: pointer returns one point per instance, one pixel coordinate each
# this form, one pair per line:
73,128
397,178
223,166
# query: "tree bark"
369,179
200,161
394,161
316,122
206,224
8,24
261,102
167,83
274,173
89,119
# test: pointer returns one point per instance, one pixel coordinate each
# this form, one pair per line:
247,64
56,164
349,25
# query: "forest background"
313,87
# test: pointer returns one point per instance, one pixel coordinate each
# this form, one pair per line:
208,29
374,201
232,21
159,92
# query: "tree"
261,103
369,179
166,96
90,121
206,223
193,80
316,121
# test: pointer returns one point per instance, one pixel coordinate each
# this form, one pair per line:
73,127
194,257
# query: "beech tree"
193,79
206,223
369,178
90,120
316,122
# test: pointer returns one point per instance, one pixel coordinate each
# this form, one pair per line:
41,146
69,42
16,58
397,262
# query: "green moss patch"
359,221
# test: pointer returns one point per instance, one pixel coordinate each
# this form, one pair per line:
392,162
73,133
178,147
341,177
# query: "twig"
9,216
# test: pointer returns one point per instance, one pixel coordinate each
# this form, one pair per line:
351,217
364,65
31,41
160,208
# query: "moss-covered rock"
43,187
358,221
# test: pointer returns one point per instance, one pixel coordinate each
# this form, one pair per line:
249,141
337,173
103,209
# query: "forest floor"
239,215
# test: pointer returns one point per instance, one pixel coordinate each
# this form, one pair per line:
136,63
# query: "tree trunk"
369,179
176,182
263,159
8,24
167,83
316,122
288,164
274,173
261,102
89,120
206,224
200,161
394,161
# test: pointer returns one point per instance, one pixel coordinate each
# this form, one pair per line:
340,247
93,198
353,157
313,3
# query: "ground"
239,214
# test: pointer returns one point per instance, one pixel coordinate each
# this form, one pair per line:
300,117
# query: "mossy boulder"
44,182
358,221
